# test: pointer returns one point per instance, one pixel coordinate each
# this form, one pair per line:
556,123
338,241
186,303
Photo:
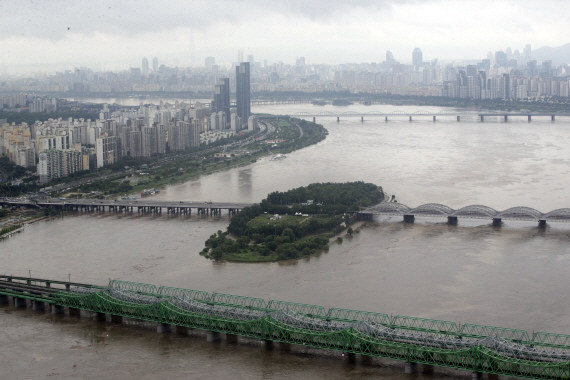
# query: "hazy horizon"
107,34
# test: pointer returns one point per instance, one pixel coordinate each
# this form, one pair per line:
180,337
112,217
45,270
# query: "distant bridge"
138,205
434,115
473,212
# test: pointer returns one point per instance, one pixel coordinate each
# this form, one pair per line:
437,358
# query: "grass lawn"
285,221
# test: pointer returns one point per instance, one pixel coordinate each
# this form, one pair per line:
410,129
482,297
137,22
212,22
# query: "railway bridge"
471,347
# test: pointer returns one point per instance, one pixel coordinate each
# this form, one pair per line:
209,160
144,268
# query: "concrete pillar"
409,218
476,376
74,311
56,309
348,357
410,118
38,305
386,118
19,302
116,318
482,118
434,119
497,222
410,367
542,223
452,220
552,117
67,287
267,344
529,118
213,336
101,316
314,119
231,338
506,118
4,299
458,118
337,119
362,118
161,328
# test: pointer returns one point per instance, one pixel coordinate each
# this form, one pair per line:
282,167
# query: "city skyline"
112,33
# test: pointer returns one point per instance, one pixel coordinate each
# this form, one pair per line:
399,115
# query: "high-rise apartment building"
240,56
59,163
106,150
145,65
155,64
417,57
243,91
222,98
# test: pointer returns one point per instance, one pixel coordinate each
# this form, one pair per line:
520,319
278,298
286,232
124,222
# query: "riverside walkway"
138,205
476,348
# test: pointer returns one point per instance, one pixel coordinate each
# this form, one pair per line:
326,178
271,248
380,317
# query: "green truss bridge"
476,348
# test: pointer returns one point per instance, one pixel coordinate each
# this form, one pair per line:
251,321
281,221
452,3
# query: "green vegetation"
10,169
31,118
278,229
9,229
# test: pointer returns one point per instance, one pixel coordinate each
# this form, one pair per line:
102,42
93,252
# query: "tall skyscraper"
527,53
417,57
243,91
155,64
145,65
222,98
240,56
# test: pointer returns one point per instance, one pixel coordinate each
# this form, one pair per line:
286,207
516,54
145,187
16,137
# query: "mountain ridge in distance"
558,55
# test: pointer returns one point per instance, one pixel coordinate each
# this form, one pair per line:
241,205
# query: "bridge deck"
476,348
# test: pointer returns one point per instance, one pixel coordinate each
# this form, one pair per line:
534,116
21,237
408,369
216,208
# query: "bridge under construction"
476,348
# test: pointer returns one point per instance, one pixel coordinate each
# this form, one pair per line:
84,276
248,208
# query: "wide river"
513,276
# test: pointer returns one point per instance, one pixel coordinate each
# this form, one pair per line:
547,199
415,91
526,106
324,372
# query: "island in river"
292,224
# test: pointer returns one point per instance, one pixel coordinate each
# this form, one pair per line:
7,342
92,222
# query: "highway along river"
513,276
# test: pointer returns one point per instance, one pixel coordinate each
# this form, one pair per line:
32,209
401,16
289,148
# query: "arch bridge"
472,212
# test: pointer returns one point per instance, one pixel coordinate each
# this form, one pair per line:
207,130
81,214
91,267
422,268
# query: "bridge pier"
476,376
386,118
337,119
57,309
552,117
162,328
458,118
314,119
410,118
267,344
285,346
362,118
19,302
101,316
506,118
497,222
452,220
482,118
348,357
182,330
529,118
38,305
542,223
213,336
116,318
409,219
4,299
231,338
434,119
410,367
74,311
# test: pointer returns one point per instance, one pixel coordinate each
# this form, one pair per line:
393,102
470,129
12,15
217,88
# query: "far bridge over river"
423,114
473,212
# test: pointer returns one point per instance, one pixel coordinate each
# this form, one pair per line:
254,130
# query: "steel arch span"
476,211
432,209
392,208
520,212
562,214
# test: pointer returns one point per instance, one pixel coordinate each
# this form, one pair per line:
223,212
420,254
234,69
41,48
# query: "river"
514,276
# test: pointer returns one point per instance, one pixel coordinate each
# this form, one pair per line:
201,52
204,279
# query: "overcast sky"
93,33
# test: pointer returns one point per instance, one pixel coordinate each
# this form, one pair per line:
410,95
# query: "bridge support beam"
410,367
458,118
552,117
452,220
409,219
542,223
162,328
497,222
38,305
56,309
529,118
476,376
19,302
213,336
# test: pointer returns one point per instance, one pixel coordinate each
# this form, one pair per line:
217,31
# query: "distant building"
243,97
222,98
145,66
59,163
106,150
417,57
155,64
